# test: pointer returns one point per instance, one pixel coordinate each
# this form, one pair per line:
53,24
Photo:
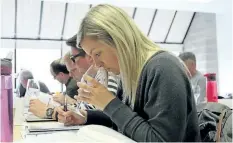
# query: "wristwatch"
49,113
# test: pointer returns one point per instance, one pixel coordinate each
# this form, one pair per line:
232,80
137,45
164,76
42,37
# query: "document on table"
99,133
43,97
88,133
61,136
30,117
49,126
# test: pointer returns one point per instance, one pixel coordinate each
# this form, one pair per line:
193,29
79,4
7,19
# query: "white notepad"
49,127
88,133
43,97
32,118
58,137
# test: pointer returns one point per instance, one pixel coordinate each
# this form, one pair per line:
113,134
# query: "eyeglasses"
81,54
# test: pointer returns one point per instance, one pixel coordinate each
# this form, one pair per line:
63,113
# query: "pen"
74,109
65,105
48,102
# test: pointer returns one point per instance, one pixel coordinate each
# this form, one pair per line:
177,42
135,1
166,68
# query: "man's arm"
202,84
60,98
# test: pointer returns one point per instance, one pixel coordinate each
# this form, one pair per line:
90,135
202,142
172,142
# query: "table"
227,102
17,133
18,128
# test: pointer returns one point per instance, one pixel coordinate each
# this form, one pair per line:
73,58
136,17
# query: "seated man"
198,80
24,76
77,63
61,74
84,63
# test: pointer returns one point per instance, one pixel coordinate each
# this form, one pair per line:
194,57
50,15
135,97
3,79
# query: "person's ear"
61,73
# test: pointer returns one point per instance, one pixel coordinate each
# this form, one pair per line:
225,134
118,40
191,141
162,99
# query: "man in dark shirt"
61,74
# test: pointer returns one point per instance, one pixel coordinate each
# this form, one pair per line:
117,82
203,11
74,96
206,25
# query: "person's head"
190,61
114,42
24,76
78,56
59,71
70,65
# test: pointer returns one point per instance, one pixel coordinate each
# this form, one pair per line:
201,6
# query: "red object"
211,87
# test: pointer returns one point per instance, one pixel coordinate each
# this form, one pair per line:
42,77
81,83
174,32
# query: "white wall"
210,38
224,47
201,40
35,56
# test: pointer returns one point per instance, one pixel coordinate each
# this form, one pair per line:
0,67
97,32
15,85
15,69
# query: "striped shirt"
108,80
112,84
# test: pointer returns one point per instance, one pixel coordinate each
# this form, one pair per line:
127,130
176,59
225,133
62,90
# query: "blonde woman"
159,104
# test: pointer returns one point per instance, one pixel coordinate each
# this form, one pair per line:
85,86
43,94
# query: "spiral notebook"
88,133
49,127
32,118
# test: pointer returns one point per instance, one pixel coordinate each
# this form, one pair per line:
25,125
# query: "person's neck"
193,73
66,78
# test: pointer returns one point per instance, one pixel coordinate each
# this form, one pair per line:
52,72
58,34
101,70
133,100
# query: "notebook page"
31,117
67,136
99,133
49,126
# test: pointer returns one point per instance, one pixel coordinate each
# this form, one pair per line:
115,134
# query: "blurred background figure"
24,76
198,80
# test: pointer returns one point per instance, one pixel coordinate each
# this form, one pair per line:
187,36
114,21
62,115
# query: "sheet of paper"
44,97
21,111
89,133
30,117
99,133
68,136
50,126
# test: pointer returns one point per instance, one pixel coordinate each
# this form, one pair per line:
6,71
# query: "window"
36,56
176,49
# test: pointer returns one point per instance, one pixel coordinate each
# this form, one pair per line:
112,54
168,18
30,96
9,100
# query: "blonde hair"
114,27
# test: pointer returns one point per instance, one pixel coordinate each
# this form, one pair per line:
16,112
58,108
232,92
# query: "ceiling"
58,21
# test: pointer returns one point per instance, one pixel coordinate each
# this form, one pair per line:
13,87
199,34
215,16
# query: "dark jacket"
71,88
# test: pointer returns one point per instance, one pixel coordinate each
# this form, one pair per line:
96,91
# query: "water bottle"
211,87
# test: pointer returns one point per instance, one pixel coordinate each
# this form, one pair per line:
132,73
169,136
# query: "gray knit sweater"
164,109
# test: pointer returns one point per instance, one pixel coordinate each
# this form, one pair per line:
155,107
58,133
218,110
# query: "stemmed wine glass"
100,74
32,90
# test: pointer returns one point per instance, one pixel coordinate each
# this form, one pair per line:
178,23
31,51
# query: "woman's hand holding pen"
71,118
